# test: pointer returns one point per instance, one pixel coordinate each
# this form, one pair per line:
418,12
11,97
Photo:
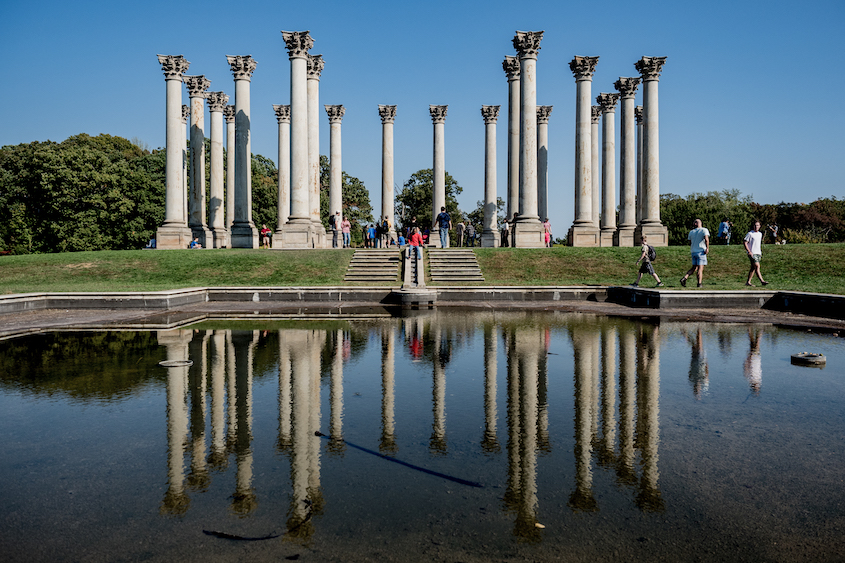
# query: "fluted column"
627,88
244,234
197,86
511,66
315,65
229,115
388,115
438,200
283,205
595,166
335,114
186,114
173,232
607,102
490,232
658,235
583,231
220,235
638,115
543,113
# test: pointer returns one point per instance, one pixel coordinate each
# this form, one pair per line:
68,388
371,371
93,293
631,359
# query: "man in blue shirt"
444,222
699,239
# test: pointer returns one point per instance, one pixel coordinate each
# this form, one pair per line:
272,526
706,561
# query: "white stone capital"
387,113
511,67
527,43
298,43
595,114
607,102
315,66
282,113
490,113
650,67
583,67
173,66
217,101
335,113
196,85
186,113
638,114
627,87
229,114
438,113
543,113
242,66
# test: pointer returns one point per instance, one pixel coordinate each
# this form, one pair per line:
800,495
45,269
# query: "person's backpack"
385,227
652,253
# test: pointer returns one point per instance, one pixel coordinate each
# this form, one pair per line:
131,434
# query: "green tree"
416,197
678,213
477,215
356,200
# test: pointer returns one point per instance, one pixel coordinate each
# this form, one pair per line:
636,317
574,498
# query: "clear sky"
750,96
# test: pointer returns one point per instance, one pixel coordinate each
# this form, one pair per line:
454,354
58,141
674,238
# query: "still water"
448,437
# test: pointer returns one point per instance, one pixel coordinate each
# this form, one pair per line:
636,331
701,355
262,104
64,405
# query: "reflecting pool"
449,436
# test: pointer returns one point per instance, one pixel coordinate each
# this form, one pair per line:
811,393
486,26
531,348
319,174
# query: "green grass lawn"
808,267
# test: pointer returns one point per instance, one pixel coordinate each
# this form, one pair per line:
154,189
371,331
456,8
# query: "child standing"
646,268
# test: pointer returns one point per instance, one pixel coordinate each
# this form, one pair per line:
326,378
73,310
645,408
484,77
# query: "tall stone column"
490,232
438,200
511,66
607,102
229,115
299,230
543,113
174,232
638,115
529,229
186,114
658,235
627,88
335,114
283,205
219,233
244,233
314,69
583,232
388,115
595,166
197,86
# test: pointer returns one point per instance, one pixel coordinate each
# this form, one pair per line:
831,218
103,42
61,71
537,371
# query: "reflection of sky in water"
607,439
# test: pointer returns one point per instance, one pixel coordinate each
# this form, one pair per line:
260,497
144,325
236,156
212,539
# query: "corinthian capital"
438,113
583,67
607,102
242,66
217,101
282,113
196,85
173,66
490,113
229,114
627,86
527,43
543,113
298,43
186,112
650,67
335,113
387,113
511,66
315,66
595,114
638,114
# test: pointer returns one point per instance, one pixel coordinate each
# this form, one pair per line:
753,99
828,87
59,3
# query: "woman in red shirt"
416,241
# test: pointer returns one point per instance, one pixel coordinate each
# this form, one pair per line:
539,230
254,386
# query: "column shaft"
490,232
387,206
244,233
627,164
300,201
186,114
196,215
220,235
335,170
639,114
511,66
595,168
229,114
283,186
658,234
543,167
608,178
584,232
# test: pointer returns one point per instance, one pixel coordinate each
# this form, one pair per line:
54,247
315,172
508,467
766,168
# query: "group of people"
508,232
723,236
699,239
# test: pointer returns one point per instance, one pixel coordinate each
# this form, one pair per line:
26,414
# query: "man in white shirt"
753,242
699,239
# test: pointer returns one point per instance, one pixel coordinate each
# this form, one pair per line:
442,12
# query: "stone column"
314,68
298,231
438,118
283,205
335,114
595,166
490,232
388,115
529,229
638,115
658,235
627,87
197,86
186,113
229,115
174,232
220,235
511,66
583,232
244,233
607,102
543,113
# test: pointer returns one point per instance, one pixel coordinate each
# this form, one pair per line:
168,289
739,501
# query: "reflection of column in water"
284,441
649,497
543,441
300,510
608,395
175,500
244,501
388,437
511,497
316,342
528,345
582,345
198,477
437,443
336,443
231,393
217,458
699,371
594,340
627,403
490,442
753,367
724,335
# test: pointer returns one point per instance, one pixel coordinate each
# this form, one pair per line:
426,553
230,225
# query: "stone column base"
173,238
607,237
529,234
490,239
295,235
583,235
243,235
624,236
220,237
657,234
204,236
321,240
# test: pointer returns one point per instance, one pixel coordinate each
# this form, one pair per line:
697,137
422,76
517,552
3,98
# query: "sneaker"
749,284
659,284
699,285
684,282
765,283
634,284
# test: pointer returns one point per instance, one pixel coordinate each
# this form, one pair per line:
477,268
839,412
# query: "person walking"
444,223
699,239
459,233
547,232
265,237
753,242
346,231
416,241
470,234
646,257
334,223
505,232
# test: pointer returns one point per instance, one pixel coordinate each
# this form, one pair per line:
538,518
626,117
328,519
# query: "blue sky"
750,97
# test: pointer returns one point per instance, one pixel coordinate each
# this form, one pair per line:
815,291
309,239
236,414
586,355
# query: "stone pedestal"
627,88
216,211
197,86
650,69
243,234
607,102
314,68
583,232
490,232
283,204
511,66
438,118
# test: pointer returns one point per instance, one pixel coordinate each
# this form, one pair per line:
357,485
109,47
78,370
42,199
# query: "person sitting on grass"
195,244
646,267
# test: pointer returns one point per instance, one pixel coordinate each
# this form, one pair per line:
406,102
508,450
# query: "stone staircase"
448,265
374,265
